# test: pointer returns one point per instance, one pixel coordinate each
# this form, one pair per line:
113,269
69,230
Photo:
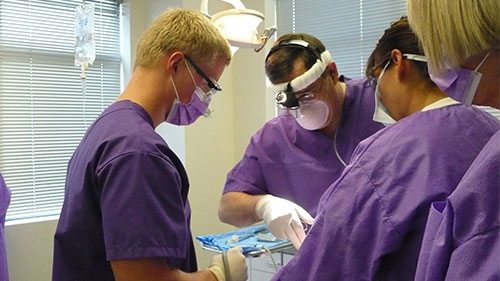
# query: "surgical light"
239,25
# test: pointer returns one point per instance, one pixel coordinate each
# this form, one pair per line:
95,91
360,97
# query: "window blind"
348,28
44,111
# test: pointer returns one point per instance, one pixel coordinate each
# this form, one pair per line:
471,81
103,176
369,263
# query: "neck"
336,106
147,89
418,95
488,92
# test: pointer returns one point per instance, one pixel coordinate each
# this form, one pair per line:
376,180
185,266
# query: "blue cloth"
371,221
125,198
247,240
461,239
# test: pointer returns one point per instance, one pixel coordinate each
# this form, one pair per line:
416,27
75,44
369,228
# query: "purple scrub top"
288,161
461,239
4,204
125,198
371,220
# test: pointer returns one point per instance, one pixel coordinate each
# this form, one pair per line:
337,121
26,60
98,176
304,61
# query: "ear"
173,61
333,71
400,64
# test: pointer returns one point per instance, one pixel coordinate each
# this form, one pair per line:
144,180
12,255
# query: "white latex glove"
284,218
233,269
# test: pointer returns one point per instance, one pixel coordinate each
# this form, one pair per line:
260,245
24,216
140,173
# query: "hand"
284,218
232,268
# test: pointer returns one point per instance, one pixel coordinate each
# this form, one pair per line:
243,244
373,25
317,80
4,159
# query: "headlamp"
285,92
287,99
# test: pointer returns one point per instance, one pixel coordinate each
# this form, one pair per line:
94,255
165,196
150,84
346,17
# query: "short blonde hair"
451,31
181,30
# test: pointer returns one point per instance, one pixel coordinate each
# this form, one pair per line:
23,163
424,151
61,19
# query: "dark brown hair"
398,36
280,62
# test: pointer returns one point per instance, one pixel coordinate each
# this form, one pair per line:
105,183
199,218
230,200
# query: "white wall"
208,148
214,145
29,250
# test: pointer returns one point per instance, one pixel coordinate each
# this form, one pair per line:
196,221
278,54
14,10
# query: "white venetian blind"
348,28
43,110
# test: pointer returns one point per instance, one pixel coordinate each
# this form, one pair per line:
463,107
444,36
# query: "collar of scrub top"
285,92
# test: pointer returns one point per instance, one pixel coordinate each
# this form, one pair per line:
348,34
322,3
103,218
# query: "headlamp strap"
296,44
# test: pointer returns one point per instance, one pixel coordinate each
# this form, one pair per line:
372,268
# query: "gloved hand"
229,266
283,218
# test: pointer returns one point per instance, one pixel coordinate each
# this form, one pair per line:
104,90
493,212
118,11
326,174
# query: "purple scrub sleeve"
4,204
371,221
285,160
125,198
461,240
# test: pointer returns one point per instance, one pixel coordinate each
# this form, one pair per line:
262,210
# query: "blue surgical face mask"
381,113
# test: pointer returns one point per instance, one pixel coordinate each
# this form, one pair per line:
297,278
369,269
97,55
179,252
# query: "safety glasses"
211,83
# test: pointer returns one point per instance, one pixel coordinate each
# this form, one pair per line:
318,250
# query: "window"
348,28
44,111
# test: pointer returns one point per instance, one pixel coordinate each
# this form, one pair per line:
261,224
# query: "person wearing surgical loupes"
461,239
294,157
370,222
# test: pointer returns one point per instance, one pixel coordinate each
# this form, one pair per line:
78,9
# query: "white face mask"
312,115
381,113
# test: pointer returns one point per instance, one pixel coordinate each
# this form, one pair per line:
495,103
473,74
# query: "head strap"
307,78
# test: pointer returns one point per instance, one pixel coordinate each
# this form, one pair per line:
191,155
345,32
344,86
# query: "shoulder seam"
130,153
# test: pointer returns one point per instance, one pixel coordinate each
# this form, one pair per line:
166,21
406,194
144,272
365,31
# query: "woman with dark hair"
370,222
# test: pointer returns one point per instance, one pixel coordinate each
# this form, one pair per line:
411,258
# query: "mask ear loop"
190,74
482,61
474,84
171,112
175,89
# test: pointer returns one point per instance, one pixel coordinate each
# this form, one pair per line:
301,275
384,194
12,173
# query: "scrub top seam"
382,201
358,158
132,153
482,233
